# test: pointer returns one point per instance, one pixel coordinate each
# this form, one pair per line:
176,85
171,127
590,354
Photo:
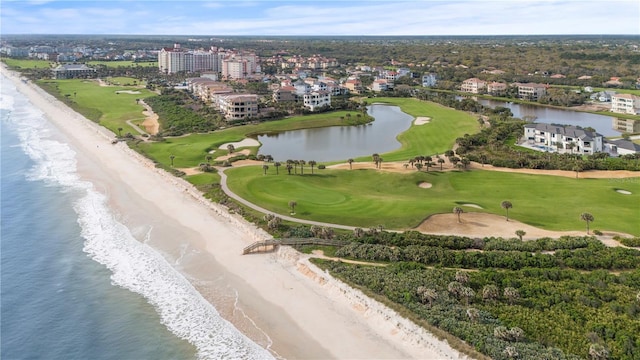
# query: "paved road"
231,194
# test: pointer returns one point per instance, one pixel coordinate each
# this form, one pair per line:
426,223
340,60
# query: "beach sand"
280,300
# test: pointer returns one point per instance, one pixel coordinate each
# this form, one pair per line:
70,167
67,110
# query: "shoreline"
280,300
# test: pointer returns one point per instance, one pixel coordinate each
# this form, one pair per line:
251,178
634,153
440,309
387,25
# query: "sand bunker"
244,143
420,120
623,192
472,205
425,185
127,92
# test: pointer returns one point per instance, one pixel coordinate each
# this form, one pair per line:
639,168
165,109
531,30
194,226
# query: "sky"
321,17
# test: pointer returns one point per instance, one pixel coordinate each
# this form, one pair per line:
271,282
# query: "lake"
340,142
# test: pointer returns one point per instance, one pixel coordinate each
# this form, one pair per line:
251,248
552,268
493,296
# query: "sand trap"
421,120
244,143
425,185
127,92
472,205
625,192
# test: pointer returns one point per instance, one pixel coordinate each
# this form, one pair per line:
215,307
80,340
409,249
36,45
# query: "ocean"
75,283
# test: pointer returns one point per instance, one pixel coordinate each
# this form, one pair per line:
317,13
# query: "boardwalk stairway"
273,244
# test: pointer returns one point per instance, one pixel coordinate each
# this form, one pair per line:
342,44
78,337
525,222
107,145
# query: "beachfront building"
531,91
625,104
238,106
547,137
73,71
473,85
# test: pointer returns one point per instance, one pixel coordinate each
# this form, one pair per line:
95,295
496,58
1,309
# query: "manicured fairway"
369,198
103,103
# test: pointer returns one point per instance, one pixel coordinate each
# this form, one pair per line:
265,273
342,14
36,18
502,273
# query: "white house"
473,85
621,147
429,80
567,138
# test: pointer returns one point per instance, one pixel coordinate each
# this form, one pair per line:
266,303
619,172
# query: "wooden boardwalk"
273,244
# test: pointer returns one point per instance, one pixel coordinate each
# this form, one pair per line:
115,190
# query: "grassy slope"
368,198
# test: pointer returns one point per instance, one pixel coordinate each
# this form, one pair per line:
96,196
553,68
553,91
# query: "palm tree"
441,161
172,157
277,165
458,210
292,205
428,164
350,161
427,294
520,234
358,232
231,148
577,167
208,158
376,159
598,352
295,166
462,277
419,166
506,205
289,168
265,167
465,162
302,162
120,132
312,163
412,161
467,293
455,160
586,217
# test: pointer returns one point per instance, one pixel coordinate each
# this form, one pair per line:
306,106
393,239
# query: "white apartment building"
316,99
473,85
568,138
625,104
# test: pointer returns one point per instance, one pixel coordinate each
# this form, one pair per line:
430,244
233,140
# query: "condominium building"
625,104
241,106
473,85
568,138
531,91
316,99
496,88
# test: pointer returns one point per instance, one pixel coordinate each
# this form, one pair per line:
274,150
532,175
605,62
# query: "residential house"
602,96
285,94
621,147
625,104
496,88
531,91
429,80
567,138
379,85
354,86
473,85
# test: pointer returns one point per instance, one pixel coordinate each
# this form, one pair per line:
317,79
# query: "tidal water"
75,283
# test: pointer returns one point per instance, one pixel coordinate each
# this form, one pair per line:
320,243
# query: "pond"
337,143
603,124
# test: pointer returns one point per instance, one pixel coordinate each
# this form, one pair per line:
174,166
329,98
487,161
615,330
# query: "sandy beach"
279,300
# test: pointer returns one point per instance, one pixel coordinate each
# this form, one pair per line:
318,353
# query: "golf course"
368,198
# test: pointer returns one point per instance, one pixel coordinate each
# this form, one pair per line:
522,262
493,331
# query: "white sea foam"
134,265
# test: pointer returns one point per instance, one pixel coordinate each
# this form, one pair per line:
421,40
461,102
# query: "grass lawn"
437,136
122,63
27,63
369,198
101,103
